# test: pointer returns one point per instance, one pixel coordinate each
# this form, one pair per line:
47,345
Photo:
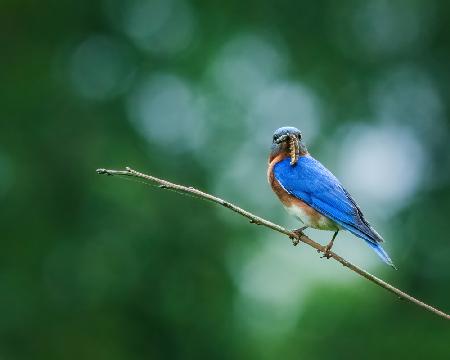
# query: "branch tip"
108,172
103,172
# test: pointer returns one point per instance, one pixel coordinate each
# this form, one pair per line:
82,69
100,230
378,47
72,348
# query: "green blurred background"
100,268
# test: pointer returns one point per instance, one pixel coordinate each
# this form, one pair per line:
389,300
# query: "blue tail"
381,253
373,243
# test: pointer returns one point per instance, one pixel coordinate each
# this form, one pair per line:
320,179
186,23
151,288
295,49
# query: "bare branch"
164,184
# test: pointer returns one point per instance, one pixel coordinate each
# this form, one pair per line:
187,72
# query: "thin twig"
164,184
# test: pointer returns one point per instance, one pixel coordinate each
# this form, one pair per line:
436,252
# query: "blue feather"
381,253
315,185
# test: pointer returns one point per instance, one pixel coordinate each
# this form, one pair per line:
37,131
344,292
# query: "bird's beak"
281,139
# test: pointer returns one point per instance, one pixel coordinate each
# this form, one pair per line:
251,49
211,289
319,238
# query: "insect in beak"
293,148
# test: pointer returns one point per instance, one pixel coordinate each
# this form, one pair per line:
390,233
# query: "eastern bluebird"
313,195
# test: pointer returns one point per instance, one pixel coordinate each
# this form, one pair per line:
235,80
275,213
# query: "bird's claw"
326,252
299,234
295,241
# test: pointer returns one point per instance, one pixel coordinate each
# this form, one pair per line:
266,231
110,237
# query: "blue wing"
312,183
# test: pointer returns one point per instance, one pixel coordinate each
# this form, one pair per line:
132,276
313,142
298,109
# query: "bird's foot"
298,233
326,251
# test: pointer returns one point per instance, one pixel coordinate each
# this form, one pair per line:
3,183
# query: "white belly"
316,221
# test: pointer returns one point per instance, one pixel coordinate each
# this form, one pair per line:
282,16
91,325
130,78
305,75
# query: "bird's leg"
326,252
298,232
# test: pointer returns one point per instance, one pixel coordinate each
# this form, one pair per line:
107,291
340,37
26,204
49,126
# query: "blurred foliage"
98,268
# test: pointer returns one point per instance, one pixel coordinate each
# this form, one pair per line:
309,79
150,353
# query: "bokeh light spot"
166,110
406,94
245,65
387,27
384,166
100,68
159,26
284,104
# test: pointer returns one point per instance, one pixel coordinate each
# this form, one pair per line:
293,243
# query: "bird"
313,195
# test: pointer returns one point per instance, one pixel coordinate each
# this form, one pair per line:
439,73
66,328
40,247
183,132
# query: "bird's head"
288,140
